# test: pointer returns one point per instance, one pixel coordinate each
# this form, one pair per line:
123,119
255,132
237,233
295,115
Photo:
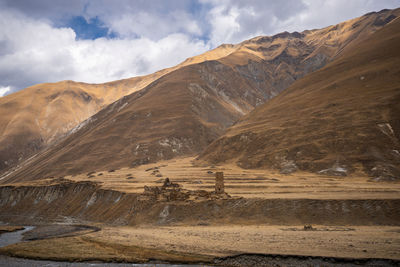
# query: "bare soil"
208,243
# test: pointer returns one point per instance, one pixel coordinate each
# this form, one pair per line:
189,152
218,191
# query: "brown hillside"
35,117
178,114
343,117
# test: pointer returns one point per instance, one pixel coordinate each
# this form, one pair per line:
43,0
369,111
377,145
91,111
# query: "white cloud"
152,34
151,19
224,25
233,21
148,25
103,60
319,14
4,90
32,52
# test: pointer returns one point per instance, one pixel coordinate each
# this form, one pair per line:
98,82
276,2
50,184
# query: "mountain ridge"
338,120
247,75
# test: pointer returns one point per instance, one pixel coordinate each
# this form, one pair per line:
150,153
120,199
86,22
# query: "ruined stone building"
219,183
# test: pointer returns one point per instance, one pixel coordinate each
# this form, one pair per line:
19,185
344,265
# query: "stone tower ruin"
219,183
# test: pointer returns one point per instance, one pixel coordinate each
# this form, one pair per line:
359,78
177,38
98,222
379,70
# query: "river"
15,237
10,261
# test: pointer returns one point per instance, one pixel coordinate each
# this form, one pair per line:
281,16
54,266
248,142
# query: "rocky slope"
342,118
182,111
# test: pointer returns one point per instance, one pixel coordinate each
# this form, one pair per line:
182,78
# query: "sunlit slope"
35,117
342,118
179,114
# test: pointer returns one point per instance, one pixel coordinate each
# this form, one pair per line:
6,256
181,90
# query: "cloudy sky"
102,40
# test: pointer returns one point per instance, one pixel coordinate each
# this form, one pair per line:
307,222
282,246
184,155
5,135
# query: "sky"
97,41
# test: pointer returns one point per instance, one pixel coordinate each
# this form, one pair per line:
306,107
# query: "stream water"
10,261
15,237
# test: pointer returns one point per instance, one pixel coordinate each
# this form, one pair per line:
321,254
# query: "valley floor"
225,240
204,243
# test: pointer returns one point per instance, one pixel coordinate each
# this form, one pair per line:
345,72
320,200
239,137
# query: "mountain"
178,111
37,116
341,119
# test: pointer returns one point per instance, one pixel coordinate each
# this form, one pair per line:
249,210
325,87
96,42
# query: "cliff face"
178,111
74,203
342,118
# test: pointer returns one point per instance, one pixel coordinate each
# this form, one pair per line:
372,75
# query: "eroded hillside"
340,119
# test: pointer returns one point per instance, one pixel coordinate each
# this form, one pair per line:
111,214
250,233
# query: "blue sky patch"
91,29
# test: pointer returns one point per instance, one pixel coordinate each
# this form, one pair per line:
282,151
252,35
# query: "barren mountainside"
176,112
338,120
37,116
